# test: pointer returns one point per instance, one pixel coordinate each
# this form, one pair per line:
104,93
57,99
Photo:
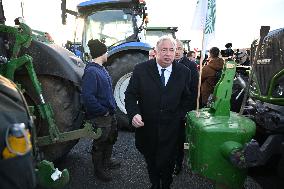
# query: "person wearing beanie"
100,107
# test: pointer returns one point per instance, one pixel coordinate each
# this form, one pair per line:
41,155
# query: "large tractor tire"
120,69
64,99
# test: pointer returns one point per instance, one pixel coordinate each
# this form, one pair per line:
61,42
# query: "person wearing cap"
100,109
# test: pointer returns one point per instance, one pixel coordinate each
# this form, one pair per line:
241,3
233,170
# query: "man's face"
104,58
151,54
192,57
179,51
165,53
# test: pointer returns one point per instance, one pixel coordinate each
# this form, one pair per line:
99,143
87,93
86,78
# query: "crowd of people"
160,93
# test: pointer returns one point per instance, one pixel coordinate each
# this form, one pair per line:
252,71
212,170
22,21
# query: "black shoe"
109,162
177,169
99,170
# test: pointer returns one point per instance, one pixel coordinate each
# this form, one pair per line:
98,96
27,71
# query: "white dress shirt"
167,72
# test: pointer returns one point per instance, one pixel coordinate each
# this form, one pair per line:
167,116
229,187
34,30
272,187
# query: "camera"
228,52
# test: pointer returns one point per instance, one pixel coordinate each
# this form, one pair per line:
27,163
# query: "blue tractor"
120,24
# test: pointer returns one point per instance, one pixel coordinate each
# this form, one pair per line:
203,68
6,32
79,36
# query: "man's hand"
137,121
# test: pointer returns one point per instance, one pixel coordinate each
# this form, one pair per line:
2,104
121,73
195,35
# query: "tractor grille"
264,74
270,60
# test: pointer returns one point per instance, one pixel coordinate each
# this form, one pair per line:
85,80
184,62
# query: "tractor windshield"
109,26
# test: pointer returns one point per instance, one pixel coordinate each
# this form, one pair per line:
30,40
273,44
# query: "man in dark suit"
180,58
157,98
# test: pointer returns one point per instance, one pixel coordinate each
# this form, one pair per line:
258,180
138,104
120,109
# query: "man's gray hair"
178,42
165,38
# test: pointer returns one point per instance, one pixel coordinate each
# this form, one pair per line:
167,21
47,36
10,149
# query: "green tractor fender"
59,72
53,60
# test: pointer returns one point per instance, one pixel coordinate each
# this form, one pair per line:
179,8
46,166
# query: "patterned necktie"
163,77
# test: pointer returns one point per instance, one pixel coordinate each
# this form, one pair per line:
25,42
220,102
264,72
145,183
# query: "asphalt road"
132,174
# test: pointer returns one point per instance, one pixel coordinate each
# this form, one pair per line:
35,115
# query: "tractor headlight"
253,87
278,90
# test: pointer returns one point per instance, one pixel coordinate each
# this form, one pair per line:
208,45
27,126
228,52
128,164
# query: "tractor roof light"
278,90
48,37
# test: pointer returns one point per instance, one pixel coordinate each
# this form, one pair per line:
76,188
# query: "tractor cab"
120,25
153,33
114,22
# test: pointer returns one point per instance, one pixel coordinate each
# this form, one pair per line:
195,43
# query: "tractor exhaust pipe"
2,14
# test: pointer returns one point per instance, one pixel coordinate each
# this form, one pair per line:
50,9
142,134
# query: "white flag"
204,19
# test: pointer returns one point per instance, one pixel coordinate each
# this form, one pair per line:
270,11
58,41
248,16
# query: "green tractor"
225,146
120,25
50,78
266,102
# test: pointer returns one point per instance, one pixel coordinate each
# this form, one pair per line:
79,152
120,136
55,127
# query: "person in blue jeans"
100,109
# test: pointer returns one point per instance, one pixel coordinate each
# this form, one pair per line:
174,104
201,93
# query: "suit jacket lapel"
173,75
154,73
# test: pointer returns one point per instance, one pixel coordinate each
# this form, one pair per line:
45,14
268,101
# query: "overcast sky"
237,21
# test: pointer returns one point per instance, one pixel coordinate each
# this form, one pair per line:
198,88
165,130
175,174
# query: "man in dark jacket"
100,108
157,98
180,58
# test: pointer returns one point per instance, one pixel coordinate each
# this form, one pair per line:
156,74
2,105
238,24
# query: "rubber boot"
99,168
109,162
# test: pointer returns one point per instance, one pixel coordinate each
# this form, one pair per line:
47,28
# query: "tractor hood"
129,45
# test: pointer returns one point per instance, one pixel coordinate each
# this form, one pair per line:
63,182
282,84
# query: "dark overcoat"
161,107
194,78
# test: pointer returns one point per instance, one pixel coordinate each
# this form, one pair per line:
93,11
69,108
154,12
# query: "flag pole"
200,73
202,15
